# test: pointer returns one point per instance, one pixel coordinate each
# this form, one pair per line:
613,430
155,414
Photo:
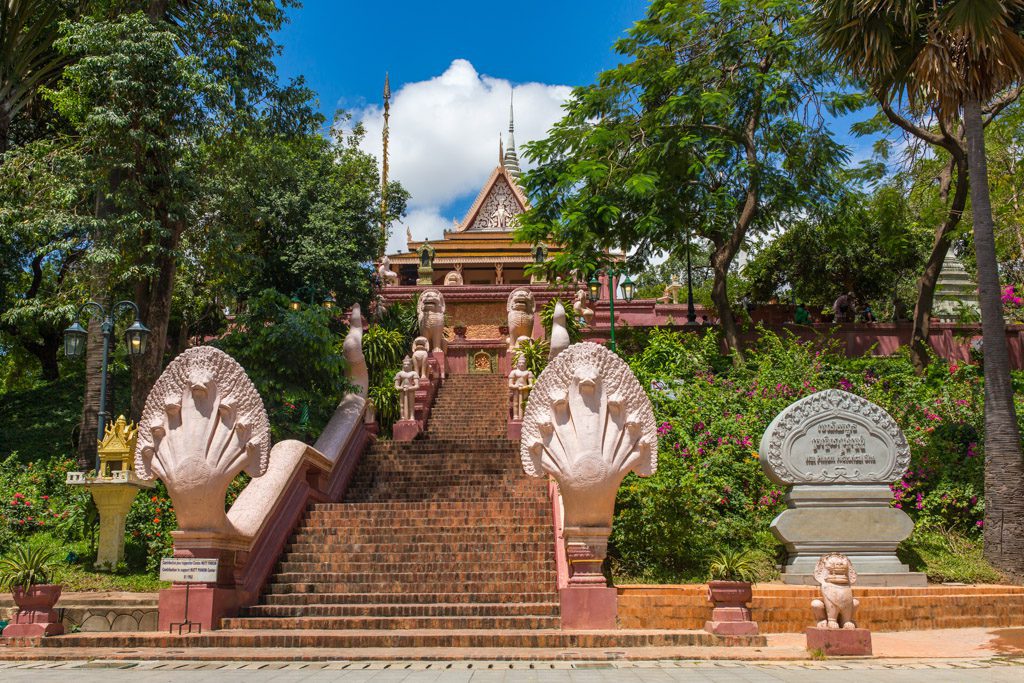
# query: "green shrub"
710,493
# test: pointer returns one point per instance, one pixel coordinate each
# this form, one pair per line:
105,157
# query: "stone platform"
101,611
779,608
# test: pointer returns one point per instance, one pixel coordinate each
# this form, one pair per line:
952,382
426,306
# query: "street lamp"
691,312
76,336
594,293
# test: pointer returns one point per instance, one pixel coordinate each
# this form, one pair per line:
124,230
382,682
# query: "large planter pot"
730,593
36,615
730,616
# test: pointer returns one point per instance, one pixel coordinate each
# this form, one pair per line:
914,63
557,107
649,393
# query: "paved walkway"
885,671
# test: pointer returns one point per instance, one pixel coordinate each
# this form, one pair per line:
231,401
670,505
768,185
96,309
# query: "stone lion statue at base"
430,313
837,606
521,307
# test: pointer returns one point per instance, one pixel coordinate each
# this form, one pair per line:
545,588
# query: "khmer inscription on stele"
834,437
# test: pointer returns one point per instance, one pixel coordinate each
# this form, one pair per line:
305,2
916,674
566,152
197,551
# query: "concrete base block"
731,628
588,608
515,430
207,605
33,630
840,641
405,430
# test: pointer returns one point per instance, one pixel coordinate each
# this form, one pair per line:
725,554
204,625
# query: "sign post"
188,570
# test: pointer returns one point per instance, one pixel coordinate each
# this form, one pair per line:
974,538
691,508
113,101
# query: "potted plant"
731,574
27,572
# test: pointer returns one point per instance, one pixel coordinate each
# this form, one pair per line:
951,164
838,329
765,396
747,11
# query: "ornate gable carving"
496,207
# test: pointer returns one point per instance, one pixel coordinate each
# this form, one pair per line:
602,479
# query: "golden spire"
384,172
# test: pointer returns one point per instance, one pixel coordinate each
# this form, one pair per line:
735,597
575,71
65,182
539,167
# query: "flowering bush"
1013,305
710,492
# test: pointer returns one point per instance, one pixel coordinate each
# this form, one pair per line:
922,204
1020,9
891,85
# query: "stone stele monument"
839,452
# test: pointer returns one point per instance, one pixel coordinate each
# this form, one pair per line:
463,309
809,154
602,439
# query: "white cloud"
444,138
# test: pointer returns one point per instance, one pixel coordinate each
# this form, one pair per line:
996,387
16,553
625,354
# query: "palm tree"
948,57
28,61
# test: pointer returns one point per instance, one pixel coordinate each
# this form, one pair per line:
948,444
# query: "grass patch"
948,557
76,578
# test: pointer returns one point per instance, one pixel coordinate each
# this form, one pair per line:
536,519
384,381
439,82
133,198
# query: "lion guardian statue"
837,606
521,308
430,313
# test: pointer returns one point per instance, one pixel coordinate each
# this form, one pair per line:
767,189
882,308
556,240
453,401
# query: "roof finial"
511,159
384,171
501,150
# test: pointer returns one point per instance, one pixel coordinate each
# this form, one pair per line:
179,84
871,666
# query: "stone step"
465,577
410,598
427,638
450,609
383,584
479,557
420,535
393,623
412,566
300,550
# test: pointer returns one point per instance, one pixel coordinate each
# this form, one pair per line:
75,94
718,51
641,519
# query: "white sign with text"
189,569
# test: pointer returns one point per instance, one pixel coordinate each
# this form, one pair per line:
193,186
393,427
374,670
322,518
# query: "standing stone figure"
407,381
387,276
420,356
520,381
837,606
581,309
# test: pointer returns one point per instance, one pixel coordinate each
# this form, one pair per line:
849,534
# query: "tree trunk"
46,353
154,300
1004,464
720,261
933,267
91,398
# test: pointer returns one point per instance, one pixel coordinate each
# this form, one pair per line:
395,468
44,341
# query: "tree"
28,60
944,143
953,56
866,244
712,126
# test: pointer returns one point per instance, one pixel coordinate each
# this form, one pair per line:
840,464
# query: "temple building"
479,249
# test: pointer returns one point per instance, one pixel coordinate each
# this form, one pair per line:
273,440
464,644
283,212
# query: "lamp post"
328,302
691,312
594,293
76,336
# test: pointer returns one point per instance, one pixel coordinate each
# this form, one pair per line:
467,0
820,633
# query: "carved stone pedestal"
839,641
36,616
113,496
515,430
405,430
731,621
730,616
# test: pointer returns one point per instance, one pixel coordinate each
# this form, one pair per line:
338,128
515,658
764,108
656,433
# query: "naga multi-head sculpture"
203,423
588,424
430,313
837,607
520,307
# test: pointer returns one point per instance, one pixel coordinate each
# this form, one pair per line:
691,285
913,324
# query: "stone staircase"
441,544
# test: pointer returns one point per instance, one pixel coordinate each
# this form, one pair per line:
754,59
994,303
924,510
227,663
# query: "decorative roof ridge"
517,192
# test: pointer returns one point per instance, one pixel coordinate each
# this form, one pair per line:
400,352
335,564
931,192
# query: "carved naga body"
203,423
588,423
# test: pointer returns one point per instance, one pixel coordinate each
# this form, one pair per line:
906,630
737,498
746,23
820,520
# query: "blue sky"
453,66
